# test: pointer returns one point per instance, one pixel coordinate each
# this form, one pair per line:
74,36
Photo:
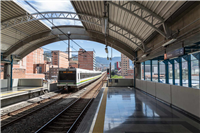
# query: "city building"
117,65
53,73
130,72
73,63
60,58
25,67
124,65
86,60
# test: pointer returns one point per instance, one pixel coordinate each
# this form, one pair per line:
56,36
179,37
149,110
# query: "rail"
75,107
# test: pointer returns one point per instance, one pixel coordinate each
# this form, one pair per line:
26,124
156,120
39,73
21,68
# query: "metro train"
74,78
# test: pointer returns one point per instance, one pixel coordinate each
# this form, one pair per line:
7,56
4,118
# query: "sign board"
175,53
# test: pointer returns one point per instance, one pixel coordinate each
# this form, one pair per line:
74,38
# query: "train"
71,79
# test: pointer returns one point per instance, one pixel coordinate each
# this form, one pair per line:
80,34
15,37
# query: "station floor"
127,110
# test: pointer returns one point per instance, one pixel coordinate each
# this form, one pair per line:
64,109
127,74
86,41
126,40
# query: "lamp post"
68,45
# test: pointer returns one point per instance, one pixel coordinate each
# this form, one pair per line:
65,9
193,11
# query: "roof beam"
50,15
126,34
94,36
140,16
148,10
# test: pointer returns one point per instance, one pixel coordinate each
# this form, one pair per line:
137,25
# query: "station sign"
175,53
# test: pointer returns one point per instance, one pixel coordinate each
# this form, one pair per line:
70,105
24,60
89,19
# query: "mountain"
106,62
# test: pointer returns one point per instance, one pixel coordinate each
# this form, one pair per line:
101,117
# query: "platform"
127,110
19,94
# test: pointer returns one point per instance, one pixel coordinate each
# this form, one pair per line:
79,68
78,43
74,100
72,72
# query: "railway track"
19,114
68,118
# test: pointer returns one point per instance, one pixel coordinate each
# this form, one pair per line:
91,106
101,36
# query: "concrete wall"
30,82
22,83
163,91
18,98
120,82
4,83
52,87
151,88
15,82
185,98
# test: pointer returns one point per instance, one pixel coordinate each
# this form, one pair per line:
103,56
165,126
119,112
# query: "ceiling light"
169,42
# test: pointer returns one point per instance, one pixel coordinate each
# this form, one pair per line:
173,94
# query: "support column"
7,74
180,71
144,70
173,72
199,67
189,72
11,67
166,71
158,71
151,69
137,72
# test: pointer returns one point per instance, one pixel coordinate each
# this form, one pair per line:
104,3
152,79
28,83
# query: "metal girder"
95,37
50,15
78,32
150,18
127,34
148,10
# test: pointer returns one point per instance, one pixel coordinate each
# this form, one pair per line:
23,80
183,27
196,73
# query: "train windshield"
67,75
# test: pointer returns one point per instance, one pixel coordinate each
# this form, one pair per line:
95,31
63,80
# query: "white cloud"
51,5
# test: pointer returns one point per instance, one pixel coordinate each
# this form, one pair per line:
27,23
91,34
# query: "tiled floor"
131,111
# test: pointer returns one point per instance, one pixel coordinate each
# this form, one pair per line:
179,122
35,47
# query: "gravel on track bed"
32,123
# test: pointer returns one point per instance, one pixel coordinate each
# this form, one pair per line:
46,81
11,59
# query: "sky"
65,5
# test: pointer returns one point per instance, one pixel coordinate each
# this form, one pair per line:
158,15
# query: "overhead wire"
57,28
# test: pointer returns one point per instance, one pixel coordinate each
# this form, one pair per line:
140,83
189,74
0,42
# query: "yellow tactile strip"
14,92
99,124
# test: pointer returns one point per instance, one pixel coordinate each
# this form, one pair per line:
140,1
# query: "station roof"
129,24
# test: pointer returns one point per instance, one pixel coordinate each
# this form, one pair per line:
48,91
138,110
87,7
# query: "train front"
66,79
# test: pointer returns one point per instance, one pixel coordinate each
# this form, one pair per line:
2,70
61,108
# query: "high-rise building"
124,65
60,59
86,60
26,67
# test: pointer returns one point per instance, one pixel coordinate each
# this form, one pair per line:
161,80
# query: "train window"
67,76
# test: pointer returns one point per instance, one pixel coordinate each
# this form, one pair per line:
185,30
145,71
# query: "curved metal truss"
50,16
127,34
144,14
73,16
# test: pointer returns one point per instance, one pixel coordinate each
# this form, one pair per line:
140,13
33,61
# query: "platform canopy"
124,25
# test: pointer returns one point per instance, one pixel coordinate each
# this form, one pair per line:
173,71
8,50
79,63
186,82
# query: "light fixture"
144,55
106,49
169,42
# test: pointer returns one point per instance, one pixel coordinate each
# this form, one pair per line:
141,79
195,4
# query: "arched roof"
126,24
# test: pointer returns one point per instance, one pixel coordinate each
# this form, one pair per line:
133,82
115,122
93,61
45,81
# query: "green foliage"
116,77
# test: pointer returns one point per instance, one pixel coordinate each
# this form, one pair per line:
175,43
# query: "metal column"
189,71
158,71
166,71
180,71
11,67
144,70
199,67
151,68
173,72
68,48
